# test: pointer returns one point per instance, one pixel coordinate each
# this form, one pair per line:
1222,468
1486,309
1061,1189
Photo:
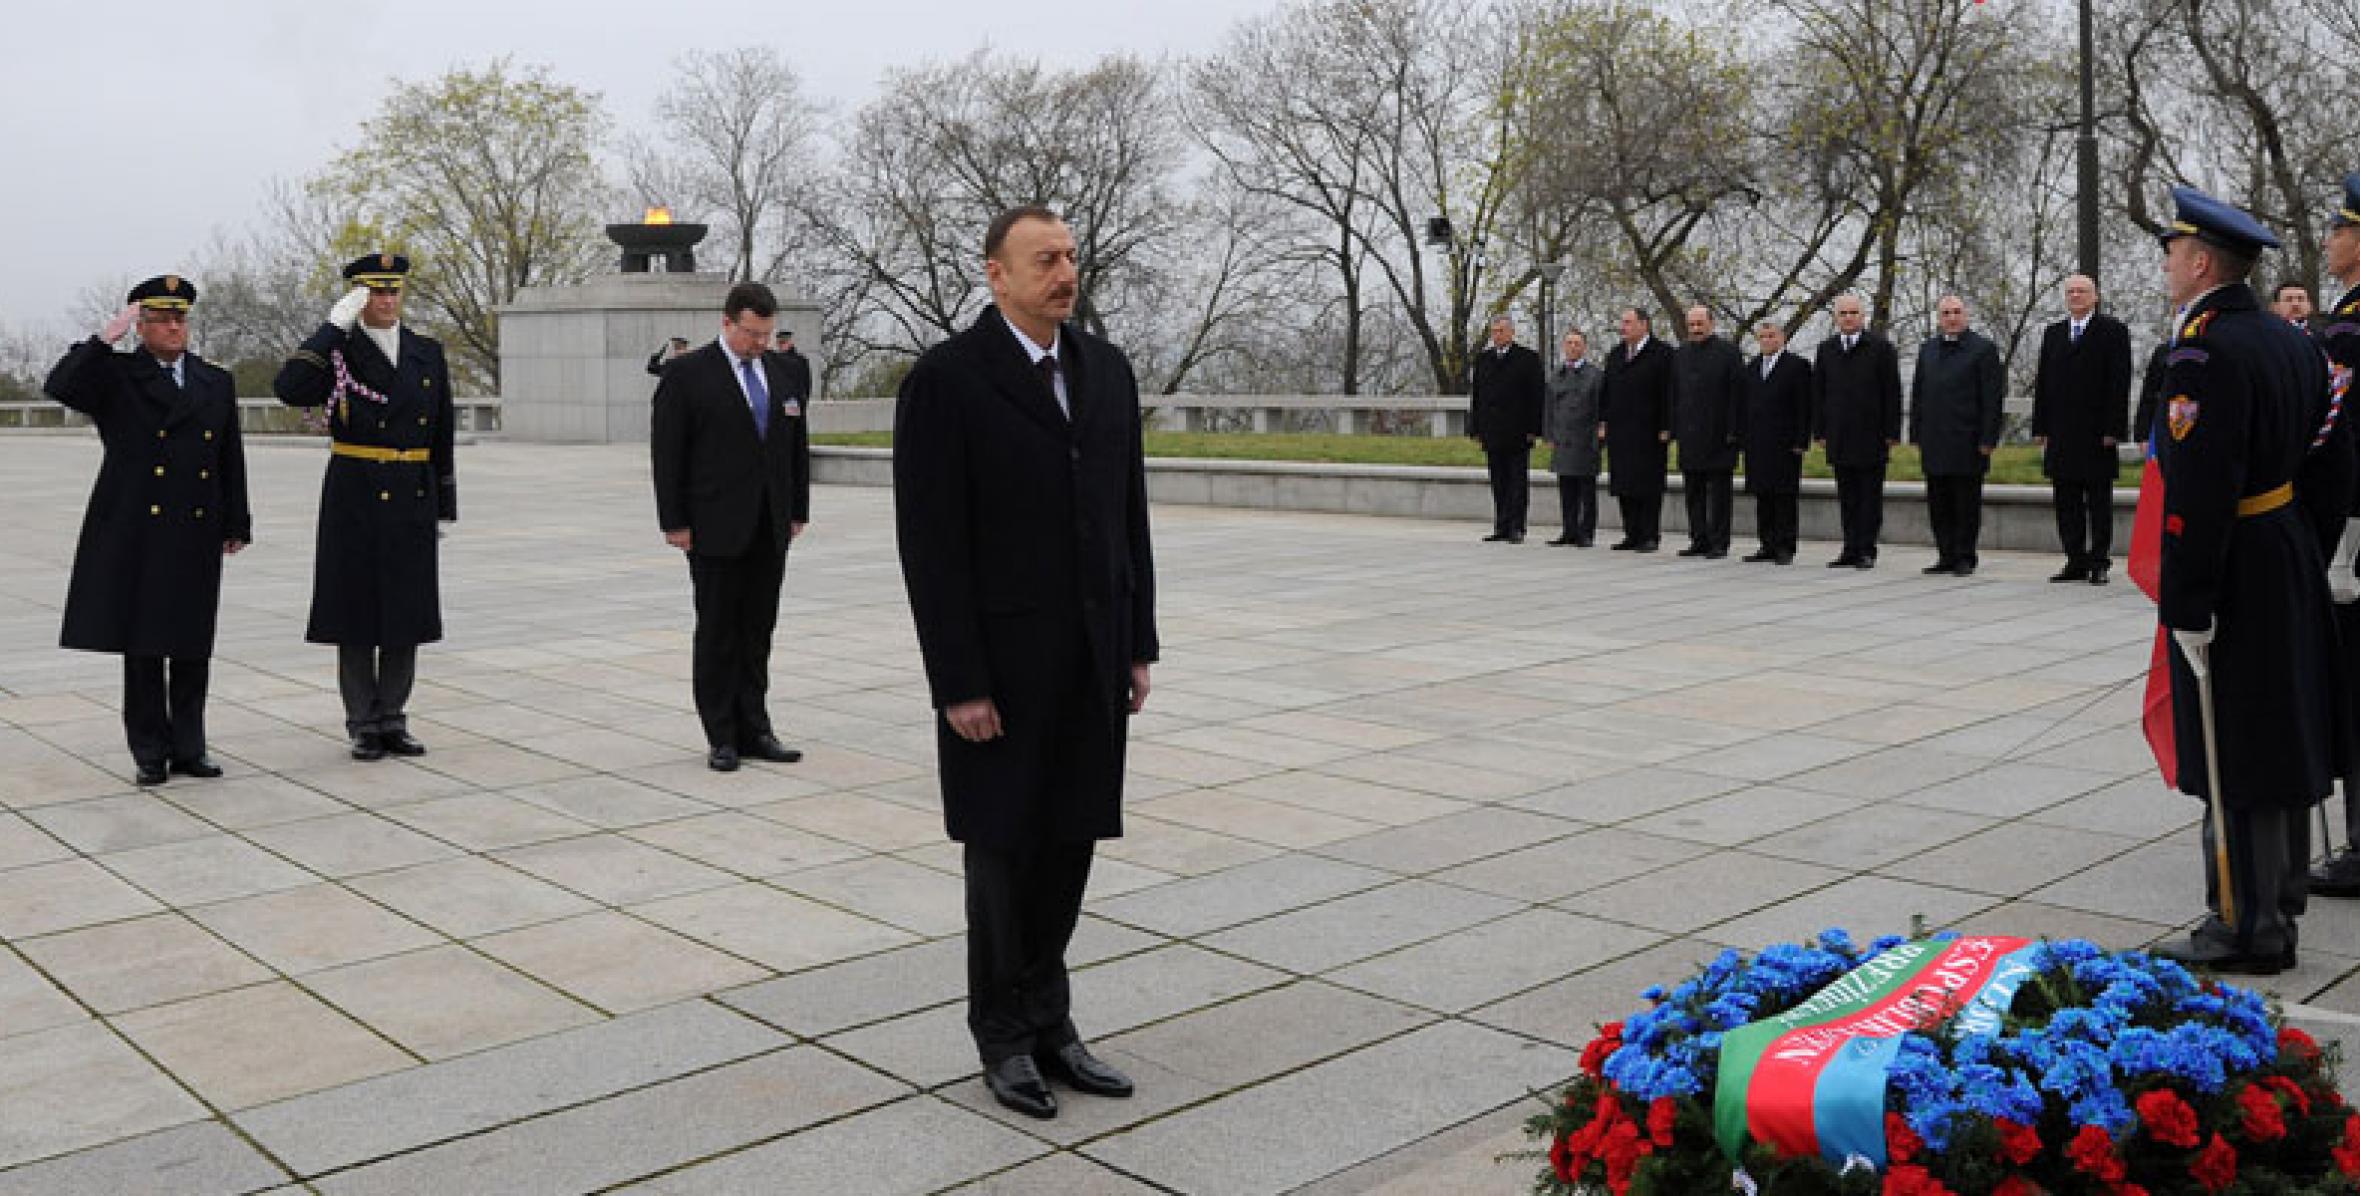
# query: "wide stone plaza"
1409,815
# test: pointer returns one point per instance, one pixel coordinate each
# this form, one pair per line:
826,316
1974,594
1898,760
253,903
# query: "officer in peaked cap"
2337,328
169,504
389,481
2244,590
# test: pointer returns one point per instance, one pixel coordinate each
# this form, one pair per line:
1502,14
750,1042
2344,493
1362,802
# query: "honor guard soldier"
169,503
374,592
2255,679
2338,331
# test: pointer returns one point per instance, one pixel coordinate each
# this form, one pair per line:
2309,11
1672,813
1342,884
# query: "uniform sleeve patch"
2188,353
2180,416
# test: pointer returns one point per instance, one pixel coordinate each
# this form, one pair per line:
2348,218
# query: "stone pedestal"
573,359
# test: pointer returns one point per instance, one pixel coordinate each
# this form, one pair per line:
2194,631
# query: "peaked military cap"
165,292
2349,213
2209,220
378,271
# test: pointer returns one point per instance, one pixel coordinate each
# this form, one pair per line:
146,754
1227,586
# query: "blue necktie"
760,397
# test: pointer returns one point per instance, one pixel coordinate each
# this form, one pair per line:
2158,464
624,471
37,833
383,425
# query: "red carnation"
1909,1179
2290,1090
2016,1185
1609,1041
2298,1044
1661,1116
2168,1119
2216,1166
2092,1152
2018,1144
1901,1142
2262,1119
2347,1155
1561,1162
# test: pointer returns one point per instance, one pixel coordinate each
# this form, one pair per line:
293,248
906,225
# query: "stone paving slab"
1409,815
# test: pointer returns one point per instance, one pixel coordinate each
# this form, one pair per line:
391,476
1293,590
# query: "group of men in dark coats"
170,502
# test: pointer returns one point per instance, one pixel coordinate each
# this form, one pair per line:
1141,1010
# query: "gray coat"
1571,422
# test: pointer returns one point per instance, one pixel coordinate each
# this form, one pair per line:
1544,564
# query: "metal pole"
2087,146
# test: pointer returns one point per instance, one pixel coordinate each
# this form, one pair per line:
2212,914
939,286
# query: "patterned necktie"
759,395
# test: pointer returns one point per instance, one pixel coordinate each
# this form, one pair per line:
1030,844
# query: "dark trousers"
1577,505
1642,517
1709,495
1954,505
2270,859
737,610
376,686
1021,908
164,710
2085,519
1860,502
1511,488
1778,520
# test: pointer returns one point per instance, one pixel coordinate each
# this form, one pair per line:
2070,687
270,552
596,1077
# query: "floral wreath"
2108,1074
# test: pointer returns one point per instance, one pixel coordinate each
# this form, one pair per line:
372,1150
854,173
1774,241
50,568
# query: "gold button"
421,421
203,474
200,512
159,471
208,434
385,496
159,433
155,510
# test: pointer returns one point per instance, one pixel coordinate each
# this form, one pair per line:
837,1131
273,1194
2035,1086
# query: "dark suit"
1635,403
1708,422
1856,409
2245,393
1024,549
1955,413
2080,400
1777,434
739,494
376,589
171,492
1504,413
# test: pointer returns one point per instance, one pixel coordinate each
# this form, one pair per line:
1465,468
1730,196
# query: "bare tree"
733,144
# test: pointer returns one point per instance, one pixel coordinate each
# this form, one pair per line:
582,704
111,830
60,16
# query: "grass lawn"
2012,464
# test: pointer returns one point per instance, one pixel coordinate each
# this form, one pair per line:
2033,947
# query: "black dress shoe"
1716,554
2070,573
1692,550
1563,541
201,768
2338,875
1759,556
401,743
1584,542
1963,569
1784,558
1075,1067
2211,955
1843,562
722,759
1647,546
2098,574
1516,539
152,774
368,745
1937,567
767,747
1495,537
1017,1084
1864,562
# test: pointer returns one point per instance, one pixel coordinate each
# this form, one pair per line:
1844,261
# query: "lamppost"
1550,272
2086,145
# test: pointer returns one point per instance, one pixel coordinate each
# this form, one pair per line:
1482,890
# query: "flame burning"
657,216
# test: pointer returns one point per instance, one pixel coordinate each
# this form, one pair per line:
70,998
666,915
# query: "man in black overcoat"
1504,413
1856,417
1955,412
1777,434
169,504
1635,400
1020,505
798,366
732,466
2080,400
390,485
2338,332
1708,423
2244,591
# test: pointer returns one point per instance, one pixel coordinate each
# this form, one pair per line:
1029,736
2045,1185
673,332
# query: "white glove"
120,324
2196,649
2343,582
348,309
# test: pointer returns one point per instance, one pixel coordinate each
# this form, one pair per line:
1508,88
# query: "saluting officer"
374,592
169,503
2338,331
2244,590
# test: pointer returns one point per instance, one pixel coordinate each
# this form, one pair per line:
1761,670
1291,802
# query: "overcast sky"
128,135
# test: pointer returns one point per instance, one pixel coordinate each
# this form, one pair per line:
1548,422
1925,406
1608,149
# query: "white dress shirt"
1033,352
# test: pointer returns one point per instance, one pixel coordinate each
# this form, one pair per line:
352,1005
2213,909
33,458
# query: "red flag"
2146,570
